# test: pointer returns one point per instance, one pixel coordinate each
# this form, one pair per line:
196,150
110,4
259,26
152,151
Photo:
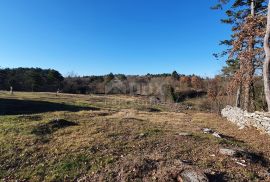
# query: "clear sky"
95,37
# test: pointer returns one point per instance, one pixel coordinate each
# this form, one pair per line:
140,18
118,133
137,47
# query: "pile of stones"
259,120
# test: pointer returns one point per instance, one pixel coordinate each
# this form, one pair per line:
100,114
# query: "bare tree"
266,67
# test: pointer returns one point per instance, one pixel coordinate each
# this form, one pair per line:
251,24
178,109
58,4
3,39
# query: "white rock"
207,130
215,134
241,164
229,152
184,134
242,127
192,176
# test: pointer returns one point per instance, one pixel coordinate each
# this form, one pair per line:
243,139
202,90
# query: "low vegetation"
109,138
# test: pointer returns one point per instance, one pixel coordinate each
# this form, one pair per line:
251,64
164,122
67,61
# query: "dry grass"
122,141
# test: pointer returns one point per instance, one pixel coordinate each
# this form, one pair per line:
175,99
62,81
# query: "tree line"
30,79
171,85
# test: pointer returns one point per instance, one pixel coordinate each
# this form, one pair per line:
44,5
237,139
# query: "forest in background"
49,80
170,88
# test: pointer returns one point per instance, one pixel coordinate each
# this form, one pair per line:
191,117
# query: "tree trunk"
247,96
252,8
238,96
266,66
252,94
248,82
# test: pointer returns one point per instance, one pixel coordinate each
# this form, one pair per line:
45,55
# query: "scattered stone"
228,152
243,161
184,134
215,134
192,176
241,164
208,130
241,127
141,135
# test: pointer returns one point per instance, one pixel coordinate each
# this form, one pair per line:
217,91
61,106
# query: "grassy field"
44,137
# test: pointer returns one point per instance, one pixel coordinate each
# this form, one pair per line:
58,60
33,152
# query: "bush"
189,93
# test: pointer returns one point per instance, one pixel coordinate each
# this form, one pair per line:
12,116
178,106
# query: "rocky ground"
44,137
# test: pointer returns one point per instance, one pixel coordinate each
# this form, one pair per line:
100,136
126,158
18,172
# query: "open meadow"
44,137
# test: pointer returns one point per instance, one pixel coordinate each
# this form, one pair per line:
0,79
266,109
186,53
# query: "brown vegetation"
126,138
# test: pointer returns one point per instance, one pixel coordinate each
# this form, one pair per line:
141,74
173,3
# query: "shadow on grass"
218,177
253,157
149,109
230,141
257,158
52,126
153,110
16,107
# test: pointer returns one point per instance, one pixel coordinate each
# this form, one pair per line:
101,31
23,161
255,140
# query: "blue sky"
95,37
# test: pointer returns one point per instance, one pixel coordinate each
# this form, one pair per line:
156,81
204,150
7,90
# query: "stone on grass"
192,176
228,152
241,164
142,135
217,135
207,130
210,131
184,134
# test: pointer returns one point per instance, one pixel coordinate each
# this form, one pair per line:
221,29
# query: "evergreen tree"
175,75
245,43
232,66
109,77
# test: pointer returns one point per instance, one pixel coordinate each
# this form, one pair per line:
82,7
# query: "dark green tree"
109,77
232,66
30,79
175,75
